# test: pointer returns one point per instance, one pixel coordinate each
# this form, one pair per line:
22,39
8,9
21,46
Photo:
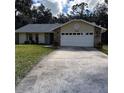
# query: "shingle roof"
50,27
89,23
38,28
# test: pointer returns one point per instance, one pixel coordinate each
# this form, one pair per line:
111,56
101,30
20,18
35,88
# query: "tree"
34,14
79,9
41,14
26,13
101,18
23,6
101,15
22,12
106,1
62,18
53,20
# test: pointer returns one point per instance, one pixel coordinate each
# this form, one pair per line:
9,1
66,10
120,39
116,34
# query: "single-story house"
76,32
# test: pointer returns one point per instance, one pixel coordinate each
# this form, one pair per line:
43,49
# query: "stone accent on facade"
57,37
97,37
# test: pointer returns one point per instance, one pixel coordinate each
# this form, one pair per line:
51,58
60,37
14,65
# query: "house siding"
84,27
97,37
22,38
33,37
67,28
57,37
41,37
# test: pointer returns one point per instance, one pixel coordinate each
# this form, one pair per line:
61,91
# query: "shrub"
30,42
99,45
27,42
55,43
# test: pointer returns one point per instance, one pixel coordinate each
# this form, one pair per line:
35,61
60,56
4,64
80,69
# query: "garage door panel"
77,40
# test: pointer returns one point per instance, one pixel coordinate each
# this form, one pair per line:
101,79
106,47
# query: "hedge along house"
76,32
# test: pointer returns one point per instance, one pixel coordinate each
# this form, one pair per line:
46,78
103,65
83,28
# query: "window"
26,36
70,33
29,36
86,33
81,33
91,33
66,33
74,33
63,33
78,33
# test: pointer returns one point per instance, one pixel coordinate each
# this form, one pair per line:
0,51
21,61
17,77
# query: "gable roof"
38,28
50,27
81,20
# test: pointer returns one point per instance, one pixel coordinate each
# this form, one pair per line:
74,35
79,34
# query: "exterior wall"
97,37
22,38
80,40
41,37
47,38
57,37
83,27
33,36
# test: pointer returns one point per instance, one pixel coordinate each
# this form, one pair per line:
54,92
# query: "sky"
64,6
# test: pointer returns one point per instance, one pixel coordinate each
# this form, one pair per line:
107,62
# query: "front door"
49,38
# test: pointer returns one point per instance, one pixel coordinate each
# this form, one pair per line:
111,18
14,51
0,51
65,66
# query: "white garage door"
85,39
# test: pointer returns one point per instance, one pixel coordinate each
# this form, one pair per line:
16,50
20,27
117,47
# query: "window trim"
28,35
63,34
91,33
78,33
82,33
74,33
66,33
87,33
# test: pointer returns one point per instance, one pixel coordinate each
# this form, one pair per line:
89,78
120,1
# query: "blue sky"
65,9
64,6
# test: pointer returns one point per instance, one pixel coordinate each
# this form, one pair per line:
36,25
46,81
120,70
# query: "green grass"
104,49
26,57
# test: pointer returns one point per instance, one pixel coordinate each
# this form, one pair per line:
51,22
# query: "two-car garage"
77,34
85,39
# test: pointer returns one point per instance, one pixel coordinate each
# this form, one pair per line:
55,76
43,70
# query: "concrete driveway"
68,70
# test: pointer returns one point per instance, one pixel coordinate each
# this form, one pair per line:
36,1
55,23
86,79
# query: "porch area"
34,38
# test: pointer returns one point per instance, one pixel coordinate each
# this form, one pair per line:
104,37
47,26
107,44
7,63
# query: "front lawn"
26,56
